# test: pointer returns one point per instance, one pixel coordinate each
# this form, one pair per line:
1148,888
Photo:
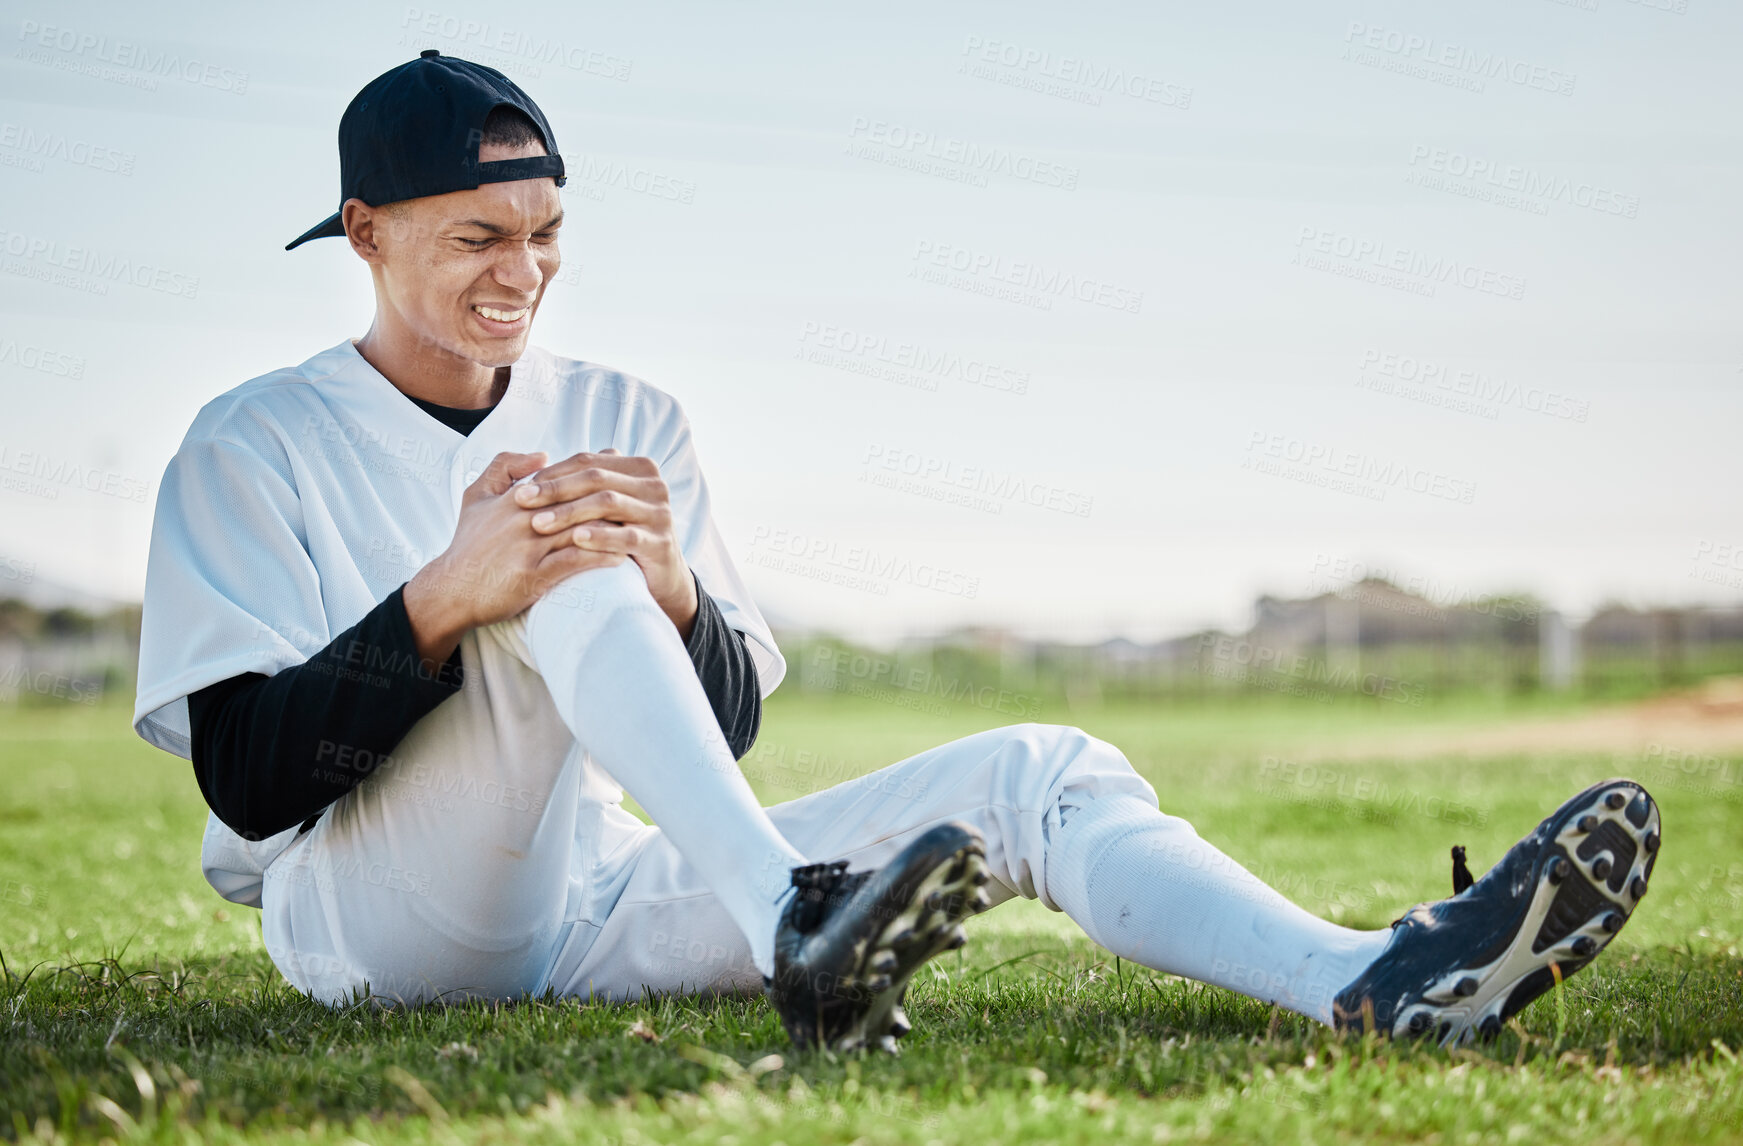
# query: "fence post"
1558,652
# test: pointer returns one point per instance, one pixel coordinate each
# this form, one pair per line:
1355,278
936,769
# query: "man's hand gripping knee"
498,563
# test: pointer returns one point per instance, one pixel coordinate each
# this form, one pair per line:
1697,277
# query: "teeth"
502,315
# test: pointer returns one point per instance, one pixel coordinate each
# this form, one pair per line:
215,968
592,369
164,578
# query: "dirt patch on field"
1705,721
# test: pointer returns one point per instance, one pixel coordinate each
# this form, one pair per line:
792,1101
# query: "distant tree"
18,620
68,622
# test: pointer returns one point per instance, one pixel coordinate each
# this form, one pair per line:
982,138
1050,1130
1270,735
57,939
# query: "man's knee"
1065,756
580,607
572,609
598,592
1065,743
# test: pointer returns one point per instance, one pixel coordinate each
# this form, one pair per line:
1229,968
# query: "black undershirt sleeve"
272,752
727,672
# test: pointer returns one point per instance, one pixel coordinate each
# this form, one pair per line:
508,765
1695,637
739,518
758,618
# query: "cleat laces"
1461,874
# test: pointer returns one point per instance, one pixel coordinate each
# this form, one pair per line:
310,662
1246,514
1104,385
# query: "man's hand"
608,503
496,566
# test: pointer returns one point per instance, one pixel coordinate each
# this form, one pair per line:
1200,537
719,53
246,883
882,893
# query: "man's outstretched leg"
1145,886
1066,820
1150,890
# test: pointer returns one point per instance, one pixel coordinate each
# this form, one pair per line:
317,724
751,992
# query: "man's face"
462,274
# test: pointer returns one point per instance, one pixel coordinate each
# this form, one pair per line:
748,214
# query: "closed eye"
480,244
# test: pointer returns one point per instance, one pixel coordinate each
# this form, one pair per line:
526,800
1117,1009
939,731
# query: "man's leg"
445,874
449,871
1147,888
1065,819
618,674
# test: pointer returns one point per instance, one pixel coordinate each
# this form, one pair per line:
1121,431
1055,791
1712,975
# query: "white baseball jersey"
301,499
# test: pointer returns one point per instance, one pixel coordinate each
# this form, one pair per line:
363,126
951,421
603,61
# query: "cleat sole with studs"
929,926
1584,887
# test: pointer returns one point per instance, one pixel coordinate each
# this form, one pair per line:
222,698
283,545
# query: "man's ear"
360,221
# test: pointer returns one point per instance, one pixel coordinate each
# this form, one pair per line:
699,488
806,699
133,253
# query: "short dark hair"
508,126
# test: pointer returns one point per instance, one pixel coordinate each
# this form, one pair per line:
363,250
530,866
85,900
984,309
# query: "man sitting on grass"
367,567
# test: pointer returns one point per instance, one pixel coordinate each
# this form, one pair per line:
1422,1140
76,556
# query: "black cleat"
848,943
1466,965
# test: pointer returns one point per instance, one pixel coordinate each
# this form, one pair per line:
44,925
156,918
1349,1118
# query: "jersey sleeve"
706,553
230,587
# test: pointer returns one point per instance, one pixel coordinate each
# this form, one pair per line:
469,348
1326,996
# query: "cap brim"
329,228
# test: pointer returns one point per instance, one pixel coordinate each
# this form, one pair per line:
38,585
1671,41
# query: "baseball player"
422,609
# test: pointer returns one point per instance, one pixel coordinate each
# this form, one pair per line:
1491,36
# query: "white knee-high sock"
625,686
1146,887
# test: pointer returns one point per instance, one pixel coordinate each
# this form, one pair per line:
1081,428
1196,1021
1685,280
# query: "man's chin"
497,352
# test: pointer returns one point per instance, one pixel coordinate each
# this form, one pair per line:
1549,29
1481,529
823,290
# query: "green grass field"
138,1006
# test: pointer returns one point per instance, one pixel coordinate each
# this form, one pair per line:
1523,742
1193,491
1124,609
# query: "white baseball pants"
551,886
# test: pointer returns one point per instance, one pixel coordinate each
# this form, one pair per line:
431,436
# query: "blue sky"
1078,319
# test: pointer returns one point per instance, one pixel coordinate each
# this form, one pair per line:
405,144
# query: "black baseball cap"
414,131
